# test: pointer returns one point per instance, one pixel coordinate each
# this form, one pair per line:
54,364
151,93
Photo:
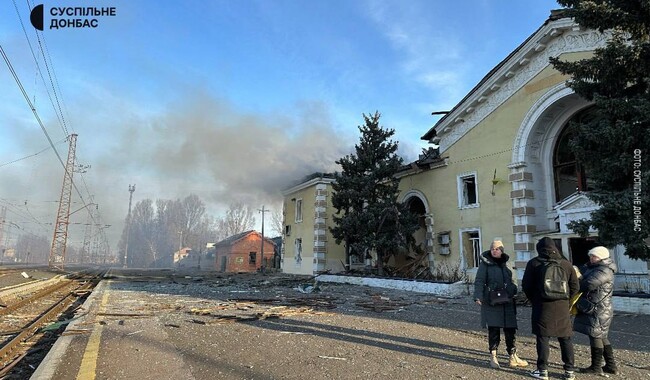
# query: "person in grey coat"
596,285
494,274
550,318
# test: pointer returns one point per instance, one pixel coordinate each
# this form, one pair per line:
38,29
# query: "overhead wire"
60,116
29,102
13,208
32,155
38,119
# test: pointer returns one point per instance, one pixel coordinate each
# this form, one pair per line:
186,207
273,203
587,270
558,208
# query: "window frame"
463,203
297,246
298,213
475,245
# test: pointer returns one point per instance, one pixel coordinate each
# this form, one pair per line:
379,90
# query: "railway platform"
201,327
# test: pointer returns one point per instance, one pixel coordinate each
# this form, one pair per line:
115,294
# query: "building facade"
499,168
503,168
242,253
308,246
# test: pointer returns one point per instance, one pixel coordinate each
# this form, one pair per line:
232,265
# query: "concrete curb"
457,289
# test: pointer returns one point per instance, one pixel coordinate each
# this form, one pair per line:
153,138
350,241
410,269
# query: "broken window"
252,256
471,246
569,175
298,249
467,191
299,210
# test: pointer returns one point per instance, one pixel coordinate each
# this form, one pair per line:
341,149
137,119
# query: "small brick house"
241,252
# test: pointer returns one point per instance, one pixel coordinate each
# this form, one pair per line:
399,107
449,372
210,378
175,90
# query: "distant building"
181,257
309,246
242,252
10,253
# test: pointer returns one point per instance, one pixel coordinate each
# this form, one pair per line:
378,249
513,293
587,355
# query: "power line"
51,73
38,119
29,102
31,155
59,114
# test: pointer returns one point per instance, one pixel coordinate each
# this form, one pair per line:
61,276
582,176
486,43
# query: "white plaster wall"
458,289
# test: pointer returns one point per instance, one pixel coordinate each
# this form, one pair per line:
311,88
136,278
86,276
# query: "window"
467,191
476,247
287,230
471,247
299,210
252,256
298,250
569,175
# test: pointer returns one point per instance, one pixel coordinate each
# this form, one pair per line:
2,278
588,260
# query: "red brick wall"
238,254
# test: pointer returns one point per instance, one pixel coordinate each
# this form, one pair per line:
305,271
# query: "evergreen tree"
612,144
369,217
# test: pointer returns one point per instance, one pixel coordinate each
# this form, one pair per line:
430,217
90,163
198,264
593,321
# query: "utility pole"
128,226
85,250
60,238
262,266
3,216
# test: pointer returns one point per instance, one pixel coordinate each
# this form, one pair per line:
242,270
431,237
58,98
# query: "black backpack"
555,284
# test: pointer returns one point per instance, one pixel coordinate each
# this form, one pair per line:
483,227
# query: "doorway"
579,248
224,261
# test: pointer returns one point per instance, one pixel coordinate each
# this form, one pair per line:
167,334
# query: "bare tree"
156,233
277,222
32,248
239,218
192,215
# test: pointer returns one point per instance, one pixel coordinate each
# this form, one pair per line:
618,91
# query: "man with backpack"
549,282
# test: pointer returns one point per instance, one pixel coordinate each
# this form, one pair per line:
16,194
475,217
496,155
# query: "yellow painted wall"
334,254
303,229
486,147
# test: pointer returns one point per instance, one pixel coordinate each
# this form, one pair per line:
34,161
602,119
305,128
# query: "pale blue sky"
232,99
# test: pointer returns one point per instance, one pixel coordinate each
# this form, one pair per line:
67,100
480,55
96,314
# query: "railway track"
26,328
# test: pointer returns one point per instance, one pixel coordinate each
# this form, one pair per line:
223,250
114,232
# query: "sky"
229,100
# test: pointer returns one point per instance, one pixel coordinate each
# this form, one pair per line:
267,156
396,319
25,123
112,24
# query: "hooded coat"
494,274
597,284
549,317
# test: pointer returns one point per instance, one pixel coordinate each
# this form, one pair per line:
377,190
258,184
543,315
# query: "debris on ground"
308,288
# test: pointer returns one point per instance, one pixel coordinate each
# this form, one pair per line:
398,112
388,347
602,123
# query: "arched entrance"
543,173
418,263
548,183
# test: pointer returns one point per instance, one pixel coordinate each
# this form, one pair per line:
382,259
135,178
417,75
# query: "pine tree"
612,144
369,217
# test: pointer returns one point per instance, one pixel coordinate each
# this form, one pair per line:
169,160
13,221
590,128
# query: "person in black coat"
494,274
550,318
596,285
